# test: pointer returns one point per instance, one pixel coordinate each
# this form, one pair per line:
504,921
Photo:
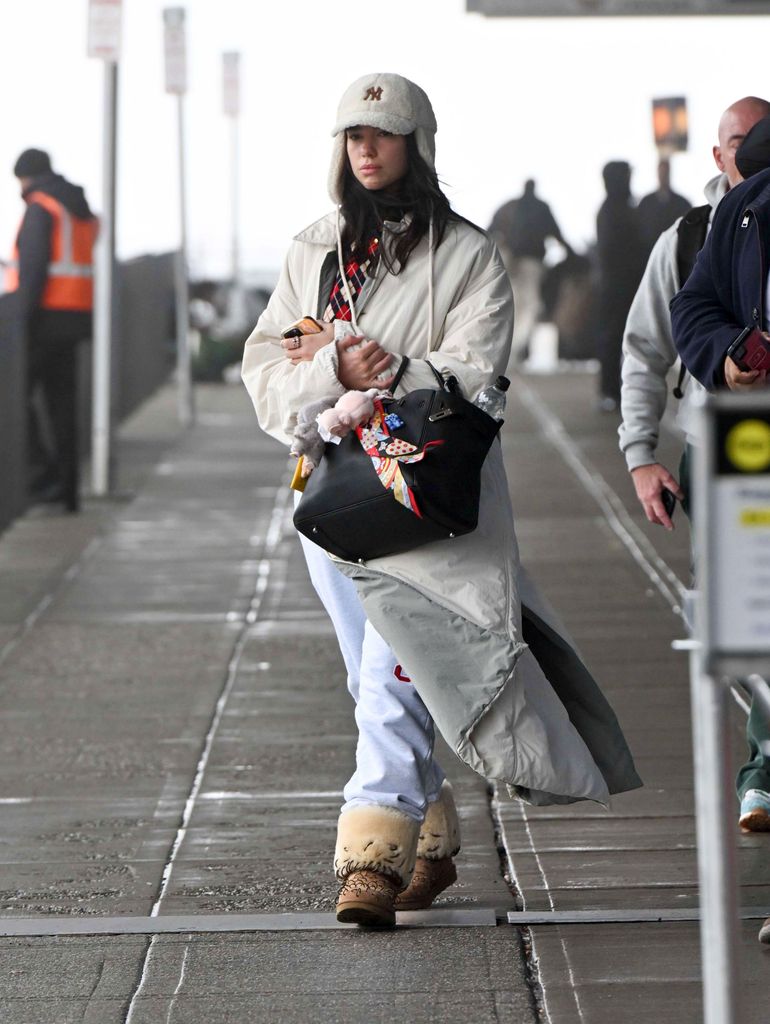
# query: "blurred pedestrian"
521,228
718,301
434,633
49,278
620,256
659,209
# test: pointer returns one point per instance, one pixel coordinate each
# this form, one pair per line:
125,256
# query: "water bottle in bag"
492,399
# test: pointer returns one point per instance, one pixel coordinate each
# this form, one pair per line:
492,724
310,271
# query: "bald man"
648,345
649,352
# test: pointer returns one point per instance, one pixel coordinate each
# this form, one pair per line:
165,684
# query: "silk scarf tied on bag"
388,453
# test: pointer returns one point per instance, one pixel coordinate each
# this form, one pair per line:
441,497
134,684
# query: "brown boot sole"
441,881
367,914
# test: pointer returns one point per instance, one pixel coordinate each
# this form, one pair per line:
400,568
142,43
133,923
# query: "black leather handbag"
410,476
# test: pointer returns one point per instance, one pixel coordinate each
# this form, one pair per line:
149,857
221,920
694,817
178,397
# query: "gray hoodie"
649,352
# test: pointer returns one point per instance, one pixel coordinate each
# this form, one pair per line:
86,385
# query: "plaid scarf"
356,273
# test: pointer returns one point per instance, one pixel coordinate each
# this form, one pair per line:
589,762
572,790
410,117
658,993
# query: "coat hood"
72,197
753,154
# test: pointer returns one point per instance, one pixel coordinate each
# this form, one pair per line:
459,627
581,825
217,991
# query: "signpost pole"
104,43
231,94
176,84
716,845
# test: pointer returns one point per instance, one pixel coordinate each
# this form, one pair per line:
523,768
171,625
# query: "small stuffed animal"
352,409
308,445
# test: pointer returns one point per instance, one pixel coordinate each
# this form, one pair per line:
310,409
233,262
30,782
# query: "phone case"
750,351
305,325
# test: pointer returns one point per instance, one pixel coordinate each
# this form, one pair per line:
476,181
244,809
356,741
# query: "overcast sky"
553,99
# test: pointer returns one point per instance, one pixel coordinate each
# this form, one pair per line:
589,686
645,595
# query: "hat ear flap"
337,167
426,146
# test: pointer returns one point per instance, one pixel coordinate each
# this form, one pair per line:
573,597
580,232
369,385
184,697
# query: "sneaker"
755,811
368,898
429,879
764,931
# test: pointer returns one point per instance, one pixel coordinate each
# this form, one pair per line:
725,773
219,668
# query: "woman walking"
448,645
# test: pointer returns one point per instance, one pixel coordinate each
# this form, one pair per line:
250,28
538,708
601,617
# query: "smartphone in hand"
750,350
305,325
669,501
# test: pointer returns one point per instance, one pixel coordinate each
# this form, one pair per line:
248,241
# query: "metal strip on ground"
484,917
529,917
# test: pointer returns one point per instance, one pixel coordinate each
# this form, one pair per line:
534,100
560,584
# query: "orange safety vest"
70,284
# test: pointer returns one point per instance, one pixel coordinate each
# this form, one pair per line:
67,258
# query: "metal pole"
717,870
709,692
234,189
186,404
101,429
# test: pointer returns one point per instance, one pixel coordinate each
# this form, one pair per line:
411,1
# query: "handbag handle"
403,368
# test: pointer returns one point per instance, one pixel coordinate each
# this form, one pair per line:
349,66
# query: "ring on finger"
297,342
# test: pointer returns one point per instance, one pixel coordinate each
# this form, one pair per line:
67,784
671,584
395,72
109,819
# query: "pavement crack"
531,962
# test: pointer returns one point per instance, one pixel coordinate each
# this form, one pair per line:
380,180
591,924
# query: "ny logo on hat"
373,94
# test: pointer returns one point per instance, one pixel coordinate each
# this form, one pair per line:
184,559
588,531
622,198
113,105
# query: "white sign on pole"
176,50
739,530
104,22
231,83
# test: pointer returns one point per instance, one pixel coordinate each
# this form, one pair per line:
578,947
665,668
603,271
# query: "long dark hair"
418,193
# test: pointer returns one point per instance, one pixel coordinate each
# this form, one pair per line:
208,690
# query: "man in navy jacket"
728,288
727,292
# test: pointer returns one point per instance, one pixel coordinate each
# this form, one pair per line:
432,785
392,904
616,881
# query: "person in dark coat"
727,290
50,291
659,209
621,258
726,293
521,227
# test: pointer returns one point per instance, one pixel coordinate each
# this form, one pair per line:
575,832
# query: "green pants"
755,773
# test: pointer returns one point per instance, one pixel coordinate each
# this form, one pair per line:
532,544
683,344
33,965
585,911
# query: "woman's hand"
303,348
357,368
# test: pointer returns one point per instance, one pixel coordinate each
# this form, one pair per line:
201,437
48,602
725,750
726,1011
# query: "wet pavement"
177,734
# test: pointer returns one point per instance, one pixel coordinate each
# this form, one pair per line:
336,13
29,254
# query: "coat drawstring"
430,288
349,295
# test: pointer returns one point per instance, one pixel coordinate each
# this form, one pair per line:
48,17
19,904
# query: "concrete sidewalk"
177,734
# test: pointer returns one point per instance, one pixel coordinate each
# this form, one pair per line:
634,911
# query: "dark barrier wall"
13,433
145,342
143,356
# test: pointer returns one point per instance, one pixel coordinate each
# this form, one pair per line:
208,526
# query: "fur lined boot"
374,860
439,842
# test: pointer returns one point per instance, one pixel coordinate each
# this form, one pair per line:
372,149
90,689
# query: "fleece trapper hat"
391,103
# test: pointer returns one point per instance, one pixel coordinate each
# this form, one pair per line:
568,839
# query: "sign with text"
175,50
736,491
104,25
231,68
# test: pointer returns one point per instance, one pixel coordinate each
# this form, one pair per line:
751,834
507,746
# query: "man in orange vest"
50,275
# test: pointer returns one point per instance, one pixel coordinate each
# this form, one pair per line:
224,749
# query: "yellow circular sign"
747,446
